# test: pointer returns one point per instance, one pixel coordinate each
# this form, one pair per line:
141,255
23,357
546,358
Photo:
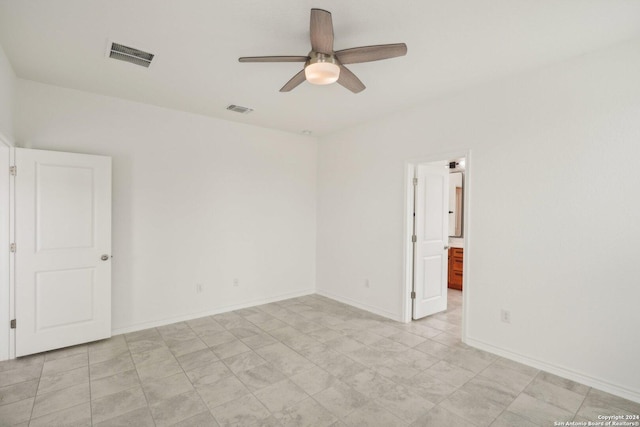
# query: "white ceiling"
452,44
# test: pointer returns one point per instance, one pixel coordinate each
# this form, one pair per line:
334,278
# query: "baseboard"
217,310
354,303
579,377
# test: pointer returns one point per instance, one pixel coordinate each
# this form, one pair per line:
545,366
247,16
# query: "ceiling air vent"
130,54
239,109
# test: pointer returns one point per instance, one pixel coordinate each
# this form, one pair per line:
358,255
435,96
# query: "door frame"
410,168
7,290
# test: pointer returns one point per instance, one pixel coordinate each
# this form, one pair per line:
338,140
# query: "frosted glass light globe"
322,73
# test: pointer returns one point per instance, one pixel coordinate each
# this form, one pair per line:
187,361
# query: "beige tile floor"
307,361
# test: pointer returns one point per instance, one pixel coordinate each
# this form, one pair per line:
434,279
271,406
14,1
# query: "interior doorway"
437,235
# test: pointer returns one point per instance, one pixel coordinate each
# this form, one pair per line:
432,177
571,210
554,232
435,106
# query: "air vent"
131,55
239,109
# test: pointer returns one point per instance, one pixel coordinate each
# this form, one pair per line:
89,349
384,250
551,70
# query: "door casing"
6,257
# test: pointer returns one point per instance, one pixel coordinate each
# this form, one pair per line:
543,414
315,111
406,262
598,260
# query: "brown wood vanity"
456,256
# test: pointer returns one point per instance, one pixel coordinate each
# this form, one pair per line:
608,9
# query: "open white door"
432,237
63,256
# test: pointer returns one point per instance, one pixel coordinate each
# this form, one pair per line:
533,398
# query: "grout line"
135,368
518,395
39,378
52,391
90,398
584,399
185,372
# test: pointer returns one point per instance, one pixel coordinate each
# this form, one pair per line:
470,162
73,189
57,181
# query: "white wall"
554,213
195,200
7,95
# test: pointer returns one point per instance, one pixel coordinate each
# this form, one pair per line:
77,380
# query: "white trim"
410,166
370,308
466,244
6,282
561,371
410,169
217,310
12,256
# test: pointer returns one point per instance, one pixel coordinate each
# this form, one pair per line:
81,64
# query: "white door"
63,232
432,240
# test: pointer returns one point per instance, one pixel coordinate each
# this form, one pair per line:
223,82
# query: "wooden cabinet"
455,268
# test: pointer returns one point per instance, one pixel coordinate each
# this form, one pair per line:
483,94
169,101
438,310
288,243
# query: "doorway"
59,206
437,212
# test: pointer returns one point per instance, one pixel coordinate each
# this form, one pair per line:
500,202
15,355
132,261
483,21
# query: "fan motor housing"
316,57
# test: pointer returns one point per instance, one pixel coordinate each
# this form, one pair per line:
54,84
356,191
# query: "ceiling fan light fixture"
321,69
324,65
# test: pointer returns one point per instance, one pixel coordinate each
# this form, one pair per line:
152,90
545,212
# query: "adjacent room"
294,213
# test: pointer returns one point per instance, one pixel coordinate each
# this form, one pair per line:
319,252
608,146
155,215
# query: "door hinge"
13,323
13,170
413,295
414,238
12,247
415,181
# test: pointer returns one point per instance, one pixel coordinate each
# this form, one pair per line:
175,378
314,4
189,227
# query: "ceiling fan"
323,65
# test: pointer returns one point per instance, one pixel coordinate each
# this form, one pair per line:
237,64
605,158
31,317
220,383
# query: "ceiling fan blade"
350,81
321,31
294,82
273,59
371,53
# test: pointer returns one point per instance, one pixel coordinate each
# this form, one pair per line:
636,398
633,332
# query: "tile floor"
307,361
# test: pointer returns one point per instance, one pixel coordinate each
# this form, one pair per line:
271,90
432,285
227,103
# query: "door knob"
104,257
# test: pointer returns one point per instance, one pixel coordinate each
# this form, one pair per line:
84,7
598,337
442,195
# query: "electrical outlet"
236,282
366,283
505,316
199,288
